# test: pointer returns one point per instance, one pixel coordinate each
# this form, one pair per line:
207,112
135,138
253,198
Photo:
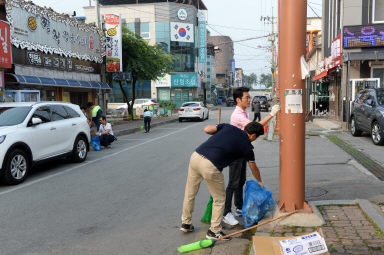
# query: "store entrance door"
79,98
178,98
186,96
320,99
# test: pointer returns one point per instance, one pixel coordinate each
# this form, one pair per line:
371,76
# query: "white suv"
35,131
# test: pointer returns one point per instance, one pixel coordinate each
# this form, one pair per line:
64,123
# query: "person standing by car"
85,111
96,114
256,111
226,144
147,120
237,169
105,132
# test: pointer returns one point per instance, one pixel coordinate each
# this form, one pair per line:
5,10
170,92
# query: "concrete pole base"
299,219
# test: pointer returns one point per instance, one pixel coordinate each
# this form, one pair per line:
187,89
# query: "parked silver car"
368,114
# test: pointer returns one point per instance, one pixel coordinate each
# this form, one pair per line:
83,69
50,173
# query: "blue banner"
202,42
233,68
184,80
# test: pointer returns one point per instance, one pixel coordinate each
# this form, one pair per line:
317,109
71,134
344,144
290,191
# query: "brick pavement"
347,231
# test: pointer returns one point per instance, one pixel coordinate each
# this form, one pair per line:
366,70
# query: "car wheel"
202,118
79,152
180,119
16,167
207,116
354,130
376,134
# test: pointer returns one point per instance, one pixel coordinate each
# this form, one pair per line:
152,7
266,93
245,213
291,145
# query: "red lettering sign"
5,45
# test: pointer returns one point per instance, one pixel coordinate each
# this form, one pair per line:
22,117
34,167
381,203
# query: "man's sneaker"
187,228
230,220
239,213
211,235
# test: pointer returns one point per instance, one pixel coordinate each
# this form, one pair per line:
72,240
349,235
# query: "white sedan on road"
140,103
193,110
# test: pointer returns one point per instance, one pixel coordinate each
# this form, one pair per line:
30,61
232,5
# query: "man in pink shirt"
237,169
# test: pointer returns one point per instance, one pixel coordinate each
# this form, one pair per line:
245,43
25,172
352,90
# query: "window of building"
144,30
184,54
378,11
131,27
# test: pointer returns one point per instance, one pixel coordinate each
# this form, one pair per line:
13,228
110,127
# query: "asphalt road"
128,199
123,200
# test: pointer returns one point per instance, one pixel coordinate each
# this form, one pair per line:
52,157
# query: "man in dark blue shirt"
226,144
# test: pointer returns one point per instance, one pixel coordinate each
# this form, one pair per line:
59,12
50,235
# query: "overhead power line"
313,10
238,28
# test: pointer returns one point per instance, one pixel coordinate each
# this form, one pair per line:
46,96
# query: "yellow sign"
66,97
32,23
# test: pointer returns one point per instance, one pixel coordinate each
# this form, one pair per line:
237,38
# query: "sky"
240,19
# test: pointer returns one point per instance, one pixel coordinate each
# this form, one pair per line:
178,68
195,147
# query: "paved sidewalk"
125,127
347,230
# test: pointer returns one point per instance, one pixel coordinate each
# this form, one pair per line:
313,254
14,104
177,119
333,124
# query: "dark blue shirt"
226,145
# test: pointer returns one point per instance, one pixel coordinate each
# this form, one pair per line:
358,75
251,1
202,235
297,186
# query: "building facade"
54,57
171,25
353,51
224,63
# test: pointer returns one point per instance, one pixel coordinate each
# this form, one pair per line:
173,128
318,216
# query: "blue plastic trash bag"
95,141
257,202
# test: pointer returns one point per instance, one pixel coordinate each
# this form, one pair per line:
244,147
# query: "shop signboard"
53,61
163,82
5,48
182,32
183,80
114,50
336,52
41,29
202,18
233,67
363,36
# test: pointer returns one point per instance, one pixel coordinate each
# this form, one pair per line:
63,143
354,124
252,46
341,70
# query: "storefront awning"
321,75
44,81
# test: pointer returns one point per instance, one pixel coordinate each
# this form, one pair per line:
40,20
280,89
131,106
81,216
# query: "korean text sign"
363,36
184,80
113,43
5,48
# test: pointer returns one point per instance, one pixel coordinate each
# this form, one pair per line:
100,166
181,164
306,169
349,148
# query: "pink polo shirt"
239,118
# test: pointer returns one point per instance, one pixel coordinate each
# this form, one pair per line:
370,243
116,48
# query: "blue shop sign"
184,80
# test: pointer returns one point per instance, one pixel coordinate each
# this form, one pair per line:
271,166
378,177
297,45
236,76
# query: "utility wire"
238,28
313,10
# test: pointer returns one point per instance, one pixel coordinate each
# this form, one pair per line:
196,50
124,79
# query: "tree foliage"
266,80
143,61
252,79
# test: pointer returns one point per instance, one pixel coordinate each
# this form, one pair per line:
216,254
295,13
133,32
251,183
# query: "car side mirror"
36,121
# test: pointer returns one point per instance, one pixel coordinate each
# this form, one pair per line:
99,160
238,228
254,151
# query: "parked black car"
230,101
264,104
368,114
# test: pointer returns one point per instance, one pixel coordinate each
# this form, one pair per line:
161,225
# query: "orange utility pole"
293,20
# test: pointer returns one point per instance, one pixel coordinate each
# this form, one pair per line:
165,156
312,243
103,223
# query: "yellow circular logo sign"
32,23
112,31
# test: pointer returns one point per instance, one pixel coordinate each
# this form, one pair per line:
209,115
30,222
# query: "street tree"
252,79
266,80
144,62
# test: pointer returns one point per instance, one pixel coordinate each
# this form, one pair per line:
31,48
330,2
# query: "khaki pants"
201,169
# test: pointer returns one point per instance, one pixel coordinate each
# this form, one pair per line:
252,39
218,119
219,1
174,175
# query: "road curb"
137,129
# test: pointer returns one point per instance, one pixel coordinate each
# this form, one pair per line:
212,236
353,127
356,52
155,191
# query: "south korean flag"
182,32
